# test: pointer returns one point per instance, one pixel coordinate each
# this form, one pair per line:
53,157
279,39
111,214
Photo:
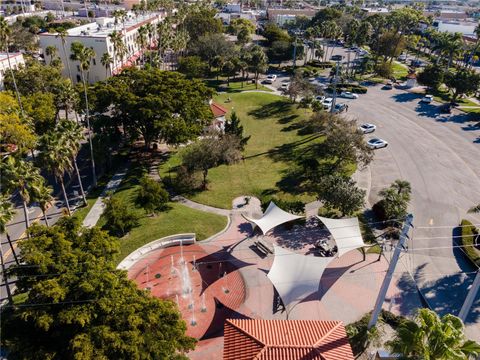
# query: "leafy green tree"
257,62
326,14
151,195
211,46
243,37
463,82
280,51
19,175
201,21
430,337
79,306
192,67
299,86
41,109
274,33
237,25
158,105
234,127
119,217
431,76
340,193
106,60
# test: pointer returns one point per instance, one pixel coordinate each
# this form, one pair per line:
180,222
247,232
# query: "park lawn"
176,219
270,120
400,71
235,85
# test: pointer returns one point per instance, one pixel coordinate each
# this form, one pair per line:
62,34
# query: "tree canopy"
78,306
156,105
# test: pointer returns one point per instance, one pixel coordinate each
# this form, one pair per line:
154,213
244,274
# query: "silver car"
367,128
376,143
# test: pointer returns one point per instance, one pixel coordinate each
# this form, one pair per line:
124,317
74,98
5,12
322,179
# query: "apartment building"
14,60
96,35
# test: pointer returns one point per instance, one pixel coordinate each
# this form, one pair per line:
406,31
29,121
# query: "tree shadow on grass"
276,108
287,119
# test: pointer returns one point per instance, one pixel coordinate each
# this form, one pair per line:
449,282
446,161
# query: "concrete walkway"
197,206
97,209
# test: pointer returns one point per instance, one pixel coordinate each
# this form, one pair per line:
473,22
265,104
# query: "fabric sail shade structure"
345,232
295,276
271,218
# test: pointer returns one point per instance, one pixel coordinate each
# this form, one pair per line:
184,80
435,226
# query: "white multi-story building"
14,60
20,5
96,35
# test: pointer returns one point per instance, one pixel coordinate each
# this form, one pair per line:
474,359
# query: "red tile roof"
286,340
217,110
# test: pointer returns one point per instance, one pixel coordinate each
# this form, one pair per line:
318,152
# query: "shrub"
151,195
384,70
359,335
469,234
119,217
357,89
294,207
321,64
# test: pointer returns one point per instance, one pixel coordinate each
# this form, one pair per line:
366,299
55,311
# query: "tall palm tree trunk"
14,81
67,203
45,218
79,178
25,213
87,116
12,249
5,278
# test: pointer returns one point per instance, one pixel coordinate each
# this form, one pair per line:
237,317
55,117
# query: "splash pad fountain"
196,283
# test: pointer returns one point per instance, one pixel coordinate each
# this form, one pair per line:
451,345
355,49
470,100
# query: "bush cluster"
470,236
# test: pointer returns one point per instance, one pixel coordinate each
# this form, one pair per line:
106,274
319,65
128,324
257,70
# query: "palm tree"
402,186
106,61
42,194
55,157
6,215
51,51
142,41
84,56
62,34
72,134
118,47
21,175
430,337
5,32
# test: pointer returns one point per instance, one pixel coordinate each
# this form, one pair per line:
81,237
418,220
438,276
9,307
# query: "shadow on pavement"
406,97
428,110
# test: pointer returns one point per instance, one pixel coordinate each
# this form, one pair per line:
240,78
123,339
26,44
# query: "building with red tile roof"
247,339
219,113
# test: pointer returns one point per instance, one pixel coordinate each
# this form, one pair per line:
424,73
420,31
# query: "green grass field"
271,121
235,85
400,71
177,219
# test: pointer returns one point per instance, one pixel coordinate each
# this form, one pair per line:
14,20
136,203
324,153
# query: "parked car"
339,108
336,58
417,63
285,85
327,103
402,57
376,143
427,99
270,79
388,86
446,109
320,98
367,128
348,95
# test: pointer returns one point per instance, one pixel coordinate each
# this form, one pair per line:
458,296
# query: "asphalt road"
440,156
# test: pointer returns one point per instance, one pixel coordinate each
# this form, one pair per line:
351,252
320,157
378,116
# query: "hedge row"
469,234
356,89
321,64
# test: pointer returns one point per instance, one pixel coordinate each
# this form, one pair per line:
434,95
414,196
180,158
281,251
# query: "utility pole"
294,52
332,108
391,269
5,279
472,293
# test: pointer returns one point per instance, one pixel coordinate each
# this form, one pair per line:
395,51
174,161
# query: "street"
439,156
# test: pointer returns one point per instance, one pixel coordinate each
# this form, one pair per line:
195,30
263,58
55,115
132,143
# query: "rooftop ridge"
229,321
334,328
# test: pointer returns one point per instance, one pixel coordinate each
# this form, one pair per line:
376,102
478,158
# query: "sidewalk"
97,209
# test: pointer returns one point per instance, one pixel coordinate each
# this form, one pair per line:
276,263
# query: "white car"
285,85
402,57
320,98
367,128
327,103
376,143
348,95
427,99
270,79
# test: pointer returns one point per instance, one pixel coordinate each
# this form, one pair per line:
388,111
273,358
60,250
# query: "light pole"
338,59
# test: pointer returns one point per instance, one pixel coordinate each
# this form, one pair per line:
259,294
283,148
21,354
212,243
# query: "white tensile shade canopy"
345,232
295,276
272,217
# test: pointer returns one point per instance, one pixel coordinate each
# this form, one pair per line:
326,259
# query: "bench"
260,248
264,246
